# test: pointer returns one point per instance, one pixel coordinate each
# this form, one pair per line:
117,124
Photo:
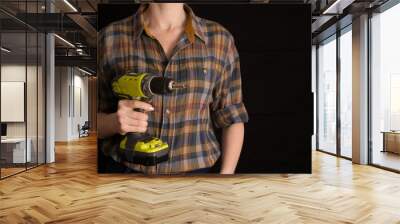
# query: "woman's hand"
125,119
128,120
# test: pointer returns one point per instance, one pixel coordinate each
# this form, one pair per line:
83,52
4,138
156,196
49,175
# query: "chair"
84,130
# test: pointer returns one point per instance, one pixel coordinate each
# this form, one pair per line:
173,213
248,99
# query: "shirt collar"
193,25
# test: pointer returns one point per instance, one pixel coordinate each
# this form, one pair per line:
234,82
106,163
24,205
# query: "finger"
124,103
134,128
136,104
134,122
137,115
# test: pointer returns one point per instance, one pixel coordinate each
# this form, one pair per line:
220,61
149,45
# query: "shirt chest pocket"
199,83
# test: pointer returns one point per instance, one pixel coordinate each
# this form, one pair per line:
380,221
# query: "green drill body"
141,148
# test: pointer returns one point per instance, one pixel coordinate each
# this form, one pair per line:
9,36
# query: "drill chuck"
143,85
160,85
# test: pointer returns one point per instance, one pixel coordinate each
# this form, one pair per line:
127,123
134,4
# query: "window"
327,95
385,88
334,106
346,93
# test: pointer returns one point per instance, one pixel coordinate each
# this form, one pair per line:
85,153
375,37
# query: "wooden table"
391,141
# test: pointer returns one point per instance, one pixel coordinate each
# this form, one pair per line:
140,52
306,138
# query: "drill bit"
174,86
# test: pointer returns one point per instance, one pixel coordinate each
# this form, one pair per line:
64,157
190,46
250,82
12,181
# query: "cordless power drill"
141,148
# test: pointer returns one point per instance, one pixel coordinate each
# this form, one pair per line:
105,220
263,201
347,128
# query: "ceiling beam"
337,7
81,21
81,61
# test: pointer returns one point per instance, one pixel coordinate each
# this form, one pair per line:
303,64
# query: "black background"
274,44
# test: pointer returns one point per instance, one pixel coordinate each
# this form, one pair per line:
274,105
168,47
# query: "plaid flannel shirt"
205,59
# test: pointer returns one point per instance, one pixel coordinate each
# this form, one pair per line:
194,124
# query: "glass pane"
346,94
31,87
31,97
327,96
13,87
41,98
386,88
23,88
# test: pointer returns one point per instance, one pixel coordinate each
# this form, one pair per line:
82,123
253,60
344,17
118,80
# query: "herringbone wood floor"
71,191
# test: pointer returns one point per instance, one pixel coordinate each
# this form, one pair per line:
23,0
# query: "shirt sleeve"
228,107
107,102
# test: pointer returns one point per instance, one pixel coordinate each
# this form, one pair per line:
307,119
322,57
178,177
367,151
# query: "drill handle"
135,136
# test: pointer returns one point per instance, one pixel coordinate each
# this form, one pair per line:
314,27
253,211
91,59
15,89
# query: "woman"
170,40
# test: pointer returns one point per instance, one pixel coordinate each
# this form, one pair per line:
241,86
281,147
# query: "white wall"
61,103
71,94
